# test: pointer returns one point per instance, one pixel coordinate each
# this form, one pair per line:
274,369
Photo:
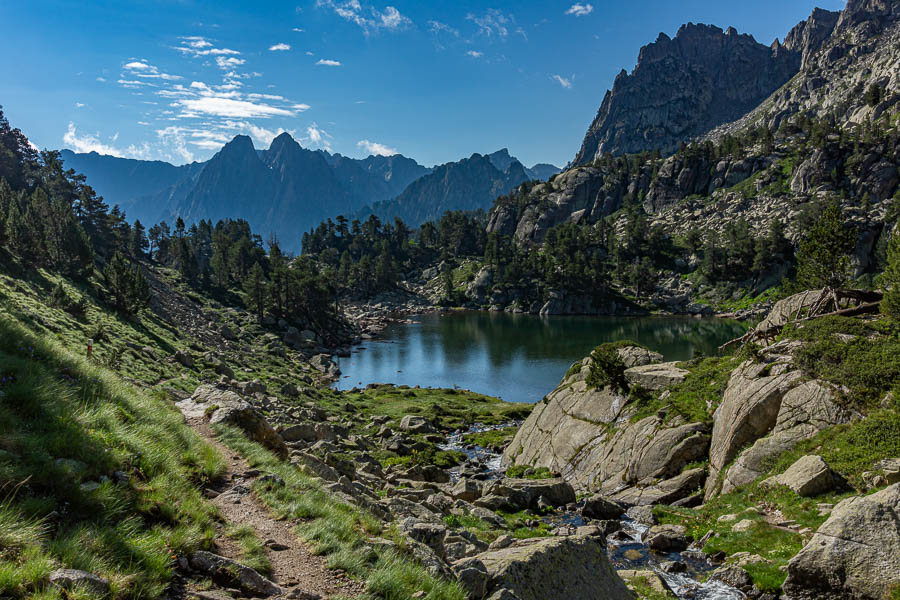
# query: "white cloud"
298,30
280,46
174,138
265,136
79,104
317,137
146,70
265,97
101,79
143,123
475,53
229,63
328,63
308,53
566,83
194,45
368,18
132,83
88,142
300,107
376,148
580,10
229,107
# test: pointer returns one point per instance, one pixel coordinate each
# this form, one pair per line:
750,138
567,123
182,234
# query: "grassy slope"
54,406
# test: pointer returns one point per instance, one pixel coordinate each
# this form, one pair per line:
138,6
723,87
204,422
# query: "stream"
625,547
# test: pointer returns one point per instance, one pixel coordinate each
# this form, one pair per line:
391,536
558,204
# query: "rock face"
72,578
575,568
636,462
854,554
683,87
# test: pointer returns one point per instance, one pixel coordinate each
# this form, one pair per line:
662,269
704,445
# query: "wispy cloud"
438,27
317,137
298,30
495,23
369,18
229,62
101,79
79,105
324,62
580,10
280,47
88,142
563,81
475,53
194,45
376,148
145,70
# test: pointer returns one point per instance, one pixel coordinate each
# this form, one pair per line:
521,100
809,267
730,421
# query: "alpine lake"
516,357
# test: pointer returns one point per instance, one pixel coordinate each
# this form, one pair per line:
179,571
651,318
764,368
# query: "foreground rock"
225,406
229,572
68,579
854,554
575,568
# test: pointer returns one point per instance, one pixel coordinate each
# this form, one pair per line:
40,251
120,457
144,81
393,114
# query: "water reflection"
517,357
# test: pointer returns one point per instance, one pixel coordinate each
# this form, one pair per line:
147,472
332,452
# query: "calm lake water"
519,358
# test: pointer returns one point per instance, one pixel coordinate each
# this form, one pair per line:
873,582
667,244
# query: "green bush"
607,368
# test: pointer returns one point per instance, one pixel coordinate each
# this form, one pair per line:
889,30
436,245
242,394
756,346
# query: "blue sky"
435,81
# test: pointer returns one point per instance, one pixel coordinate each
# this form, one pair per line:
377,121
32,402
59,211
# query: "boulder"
466,489
232,573
571,567
525,493
184,358
668,491
809,476
667,538
224,406
648,578
854,554
68,579
416,424
602,508
655,376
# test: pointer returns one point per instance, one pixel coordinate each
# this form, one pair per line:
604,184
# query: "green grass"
56,405
869,365
494,438
644,590
337,530
523,472
253,553
696,398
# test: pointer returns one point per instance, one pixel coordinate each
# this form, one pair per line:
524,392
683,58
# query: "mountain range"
286,189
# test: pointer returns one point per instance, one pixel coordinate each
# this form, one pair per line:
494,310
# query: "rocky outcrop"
684,86
749,410
574,567
230,572
854,554
586,435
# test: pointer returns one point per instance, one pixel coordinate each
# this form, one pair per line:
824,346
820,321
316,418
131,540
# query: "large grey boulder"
600,507
635,356
573,567
854,554
416,424
808,476
226,407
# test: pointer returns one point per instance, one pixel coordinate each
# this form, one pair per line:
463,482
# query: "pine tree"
823,256
129,287
890,305
255,290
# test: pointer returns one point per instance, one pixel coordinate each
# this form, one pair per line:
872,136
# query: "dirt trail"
301,574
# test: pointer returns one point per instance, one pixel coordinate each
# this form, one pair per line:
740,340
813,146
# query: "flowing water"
519,358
